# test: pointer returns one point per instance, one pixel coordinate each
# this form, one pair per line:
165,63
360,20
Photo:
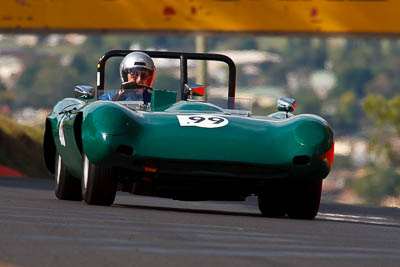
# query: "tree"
6,96
3,87
377,184
353,79
384,116
44,83
346,119
382,179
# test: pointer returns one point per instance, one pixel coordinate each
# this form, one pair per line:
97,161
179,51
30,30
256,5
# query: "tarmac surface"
36,229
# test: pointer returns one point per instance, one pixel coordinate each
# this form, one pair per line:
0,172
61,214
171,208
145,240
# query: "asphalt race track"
36,229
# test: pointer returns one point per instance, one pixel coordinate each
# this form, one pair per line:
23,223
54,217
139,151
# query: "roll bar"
175,55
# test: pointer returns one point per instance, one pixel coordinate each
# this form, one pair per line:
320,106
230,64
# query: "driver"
137,74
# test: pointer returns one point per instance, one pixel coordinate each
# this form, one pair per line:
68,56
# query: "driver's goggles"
144,73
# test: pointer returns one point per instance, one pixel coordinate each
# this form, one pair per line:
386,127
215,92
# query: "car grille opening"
126,150
301,160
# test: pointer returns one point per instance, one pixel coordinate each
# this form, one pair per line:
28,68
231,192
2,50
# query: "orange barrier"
4,171
277,16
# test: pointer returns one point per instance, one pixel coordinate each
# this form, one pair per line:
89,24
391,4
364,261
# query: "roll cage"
183,57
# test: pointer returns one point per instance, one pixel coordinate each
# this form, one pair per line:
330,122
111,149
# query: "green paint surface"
261,141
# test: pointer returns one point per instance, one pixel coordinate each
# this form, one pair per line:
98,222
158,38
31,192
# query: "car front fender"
102,121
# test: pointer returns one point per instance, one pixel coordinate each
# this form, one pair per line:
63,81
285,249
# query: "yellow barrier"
264,16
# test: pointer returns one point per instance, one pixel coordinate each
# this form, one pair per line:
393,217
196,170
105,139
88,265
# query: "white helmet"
137,64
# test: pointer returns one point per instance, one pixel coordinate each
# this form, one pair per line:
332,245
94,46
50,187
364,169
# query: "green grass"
21,148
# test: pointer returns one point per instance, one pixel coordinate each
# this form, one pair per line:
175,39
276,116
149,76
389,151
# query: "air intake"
126,150
301,160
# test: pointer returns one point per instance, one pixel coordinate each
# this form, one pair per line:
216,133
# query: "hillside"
21,148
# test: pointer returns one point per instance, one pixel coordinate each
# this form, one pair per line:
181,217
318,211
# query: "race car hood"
205,134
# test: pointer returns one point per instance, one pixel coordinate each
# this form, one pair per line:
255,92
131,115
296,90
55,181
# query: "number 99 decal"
202,120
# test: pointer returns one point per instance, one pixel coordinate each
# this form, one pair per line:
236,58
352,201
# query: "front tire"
304,199
98,184
272,199
67,186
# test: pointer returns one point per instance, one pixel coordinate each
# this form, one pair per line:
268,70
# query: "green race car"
186,149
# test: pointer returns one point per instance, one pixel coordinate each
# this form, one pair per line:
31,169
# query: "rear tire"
304,199
98,184
67,186
271,201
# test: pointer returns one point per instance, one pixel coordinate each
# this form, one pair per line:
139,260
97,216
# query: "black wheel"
98,184
272,199
68,187
304,199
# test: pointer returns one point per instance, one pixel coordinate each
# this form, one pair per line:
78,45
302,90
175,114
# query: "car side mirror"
286,104
84,92
194,90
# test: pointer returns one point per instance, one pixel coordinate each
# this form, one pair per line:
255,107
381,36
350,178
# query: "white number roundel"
202,120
